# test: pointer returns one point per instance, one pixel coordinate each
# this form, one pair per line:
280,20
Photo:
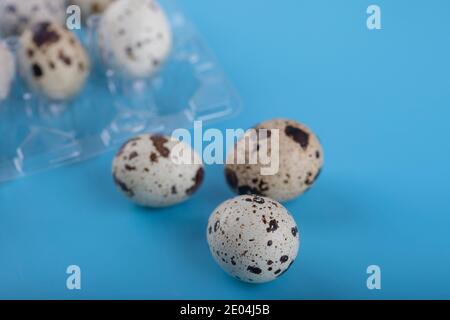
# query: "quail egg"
294,157
253,238
157,171
18,15
134,37
7,71
53,61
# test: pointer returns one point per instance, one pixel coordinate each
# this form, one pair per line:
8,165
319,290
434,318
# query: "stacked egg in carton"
78,77
134,38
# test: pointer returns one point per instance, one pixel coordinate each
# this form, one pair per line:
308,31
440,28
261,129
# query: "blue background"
379,100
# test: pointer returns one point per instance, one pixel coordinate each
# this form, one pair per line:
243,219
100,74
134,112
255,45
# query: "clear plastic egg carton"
36,134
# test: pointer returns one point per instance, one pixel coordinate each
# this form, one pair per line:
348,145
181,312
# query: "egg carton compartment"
36,134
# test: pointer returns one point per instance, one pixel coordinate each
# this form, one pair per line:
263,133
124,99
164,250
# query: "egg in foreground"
253,238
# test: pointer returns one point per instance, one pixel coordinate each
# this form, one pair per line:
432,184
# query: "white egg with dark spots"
18,15
134,37
53,61
157,171
7,71
253,238
291,145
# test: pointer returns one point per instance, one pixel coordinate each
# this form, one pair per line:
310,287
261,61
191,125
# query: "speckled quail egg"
53,61
7,70
253,238
18,15
294,156
134,37
89,7
157,171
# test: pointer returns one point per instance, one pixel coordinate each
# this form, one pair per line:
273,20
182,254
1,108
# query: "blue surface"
379,100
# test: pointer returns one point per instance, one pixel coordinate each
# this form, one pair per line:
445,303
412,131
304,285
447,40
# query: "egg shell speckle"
134,37
53,61
90,7
300,162
146,170
253,238
18,15
7,71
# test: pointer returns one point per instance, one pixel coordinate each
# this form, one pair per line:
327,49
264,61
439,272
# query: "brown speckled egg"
157,171
253,238
53,61
300,161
